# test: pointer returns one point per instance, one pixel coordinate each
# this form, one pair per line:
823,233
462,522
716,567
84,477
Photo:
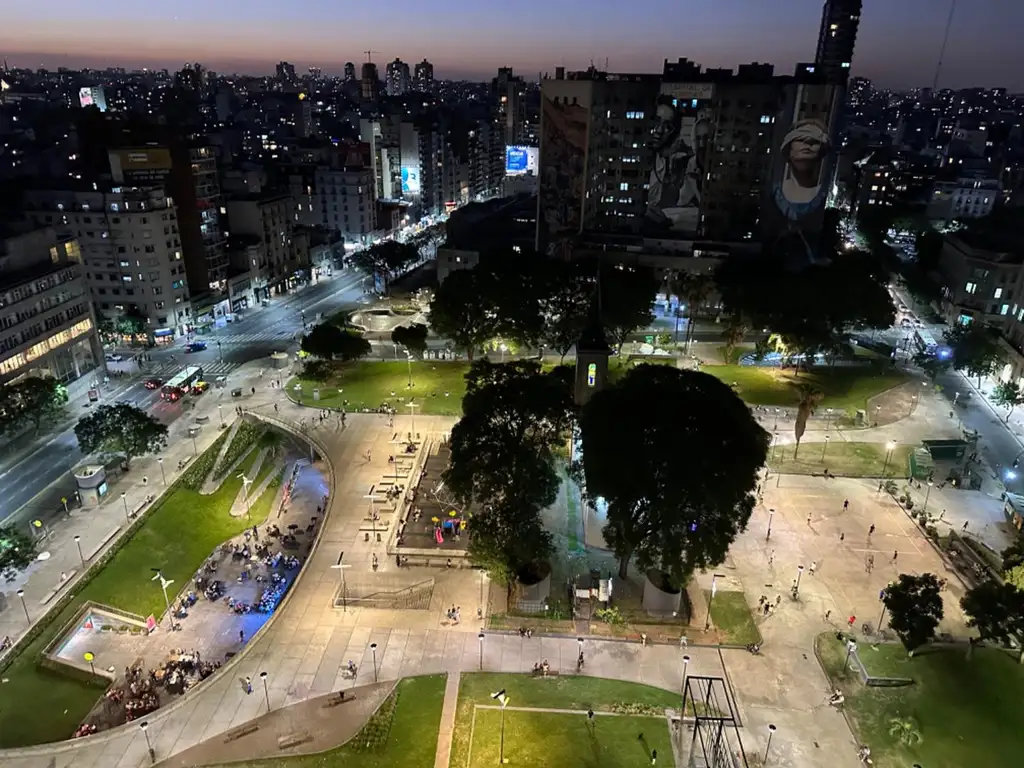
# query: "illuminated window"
592,375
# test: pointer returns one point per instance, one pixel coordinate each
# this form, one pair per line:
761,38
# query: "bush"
373,736
245,438
610,616
194,477
317,370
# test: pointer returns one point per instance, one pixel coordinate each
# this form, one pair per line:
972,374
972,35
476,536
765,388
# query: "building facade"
398,82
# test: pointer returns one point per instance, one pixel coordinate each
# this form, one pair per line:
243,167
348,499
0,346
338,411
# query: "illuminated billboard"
521,161
93,97
410,180
794,205
681,140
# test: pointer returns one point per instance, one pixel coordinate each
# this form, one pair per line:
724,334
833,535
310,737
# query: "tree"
905,731
976,349
120,429
565,304
1013,555
412,337
996,611
809,399
815,308
915,608
627,301
932,365
1015,577
34,399
1009,395
329,342
17,551
385,260
694,289
503,461
735,332
676,510
461,310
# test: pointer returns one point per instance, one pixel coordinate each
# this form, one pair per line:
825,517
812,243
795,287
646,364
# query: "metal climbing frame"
715,739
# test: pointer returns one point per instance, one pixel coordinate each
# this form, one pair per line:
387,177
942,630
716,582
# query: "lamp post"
373,652
124,500
851,646
771,514
344,591
771,732
78,543
881,599
412,417
164,584
480,637
21,596
799,575
828,419
686,664
927,495
889,448
220,412
160,461
714,589
371,511
246,482
266,691
824,447
408,360
144,726
502,699
195,448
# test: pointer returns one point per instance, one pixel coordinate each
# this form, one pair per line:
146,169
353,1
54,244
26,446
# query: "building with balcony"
266,243
47,327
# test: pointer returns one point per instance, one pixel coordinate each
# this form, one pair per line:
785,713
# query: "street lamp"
372,511
927,495
799,575
881,599
889,448
828,419
851,646
412,418
344,591
373,651
21,595
408,360
771,514
714,589
266,692
246,482
164,584
824,447
160,461
480,637
502,699
686,664
78,543
143,726
220,412
124,500
195,448
503,347
771,732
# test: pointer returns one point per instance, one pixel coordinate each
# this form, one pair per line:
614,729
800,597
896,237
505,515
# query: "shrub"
246,437
373,736
194,477
610,616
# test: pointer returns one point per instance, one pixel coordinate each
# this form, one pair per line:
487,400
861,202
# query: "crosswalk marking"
210,369
249,338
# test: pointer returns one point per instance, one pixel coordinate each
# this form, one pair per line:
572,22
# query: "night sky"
897,47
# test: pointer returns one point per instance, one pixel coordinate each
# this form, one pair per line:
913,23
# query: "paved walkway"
447,729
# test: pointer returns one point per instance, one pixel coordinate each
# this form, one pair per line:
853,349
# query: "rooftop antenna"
369,55
945,39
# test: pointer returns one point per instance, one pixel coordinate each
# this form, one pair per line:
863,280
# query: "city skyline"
569,34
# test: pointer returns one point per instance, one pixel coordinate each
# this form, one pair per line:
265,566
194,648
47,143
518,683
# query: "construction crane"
369,55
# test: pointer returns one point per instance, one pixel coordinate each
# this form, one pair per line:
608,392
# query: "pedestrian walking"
895,555
871,530
275,407
654,756
771,558
963,528
851,621
778,600
767,607
256,533
248,685
870,563
827,614
842,536
808,519
846,504
761,601
814,566
684,642
241,635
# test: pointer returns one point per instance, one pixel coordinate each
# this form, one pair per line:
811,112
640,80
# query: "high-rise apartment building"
429,167
189,174
840,20
369,82
286,76
382,136
350,72
130,249
47,326
509,93
423,77
397,80
266,221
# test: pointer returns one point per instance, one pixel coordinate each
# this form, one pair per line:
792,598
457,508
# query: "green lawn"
842,458
550,740
438,387
176,537
731,616
411,743
845,388
966,712
564,692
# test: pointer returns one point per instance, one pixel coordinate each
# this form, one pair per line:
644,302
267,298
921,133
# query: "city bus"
181,383
924,341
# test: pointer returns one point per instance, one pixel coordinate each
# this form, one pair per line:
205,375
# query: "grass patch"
966,712
552,740
410,742
842,458
438,387
846,388
124,582
563,692
247,434
732,617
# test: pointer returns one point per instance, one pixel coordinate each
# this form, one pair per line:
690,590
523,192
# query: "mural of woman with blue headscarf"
802,190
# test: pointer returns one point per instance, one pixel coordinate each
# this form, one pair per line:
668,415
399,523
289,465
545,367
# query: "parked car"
114,358
153,383
195,346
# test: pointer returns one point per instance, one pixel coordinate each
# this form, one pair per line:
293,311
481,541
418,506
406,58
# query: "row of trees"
34,400
531,300
678,479
387,260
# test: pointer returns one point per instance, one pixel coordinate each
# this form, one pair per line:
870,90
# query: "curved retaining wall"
63,747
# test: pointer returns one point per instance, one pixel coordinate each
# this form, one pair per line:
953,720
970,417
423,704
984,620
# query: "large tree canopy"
812,309
996,611
17,551
329,342
675,454
915,608
386,260
412,337
976,349
462,311
627,301
122,429
34,399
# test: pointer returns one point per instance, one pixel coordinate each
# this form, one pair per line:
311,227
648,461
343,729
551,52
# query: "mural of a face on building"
804,150
674,188
562,163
